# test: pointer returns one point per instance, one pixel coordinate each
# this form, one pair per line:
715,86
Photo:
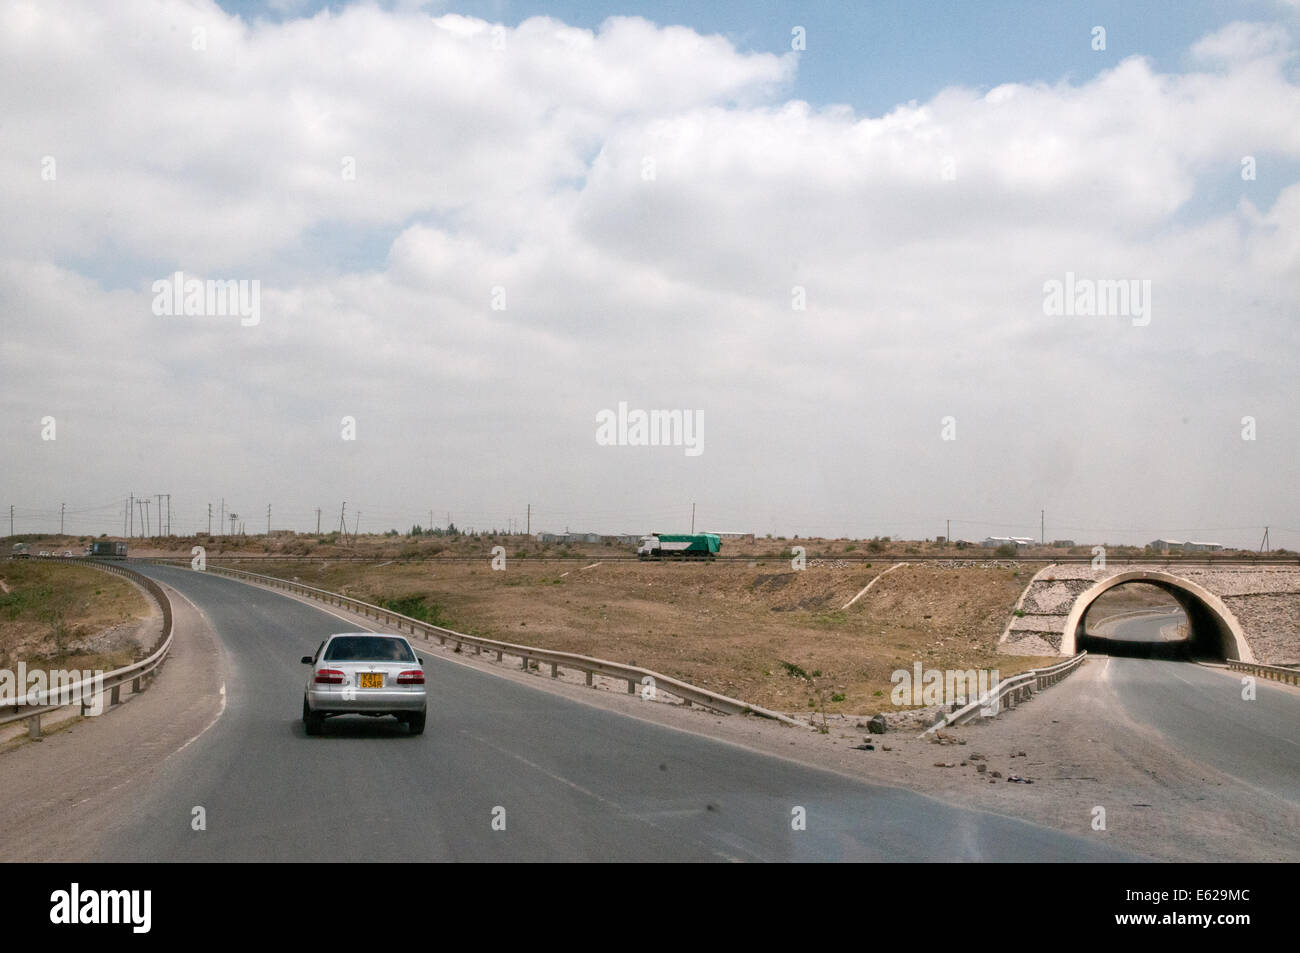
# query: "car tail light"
412,677
329,676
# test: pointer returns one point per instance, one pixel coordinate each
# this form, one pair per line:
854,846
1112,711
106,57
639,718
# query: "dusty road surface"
1181,765
571,781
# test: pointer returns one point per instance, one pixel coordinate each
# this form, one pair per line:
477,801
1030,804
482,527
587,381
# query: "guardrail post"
498,655
113,695
135,685
524,661
631,686
555,670
34,726
588,678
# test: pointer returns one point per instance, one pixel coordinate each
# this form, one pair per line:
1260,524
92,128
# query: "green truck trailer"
679,546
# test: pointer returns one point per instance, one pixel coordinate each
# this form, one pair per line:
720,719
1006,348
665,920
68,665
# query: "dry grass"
381,546
730,627
52,614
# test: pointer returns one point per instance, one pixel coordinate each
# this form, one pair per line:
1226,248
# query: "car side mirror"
306,660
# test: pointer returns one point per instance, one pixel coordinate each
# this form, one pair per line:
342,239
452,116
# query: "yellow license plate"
372,680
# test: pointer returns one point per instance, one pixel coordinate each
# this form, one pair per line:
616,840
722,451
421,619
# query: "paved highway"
575,782
1201,713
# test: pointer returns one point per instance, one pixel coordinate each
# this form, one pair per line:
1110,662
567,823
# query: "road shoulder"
64,794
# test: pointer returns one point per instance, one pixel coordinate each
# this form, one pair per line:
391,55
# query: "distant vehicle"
68,554
362,673
44,555
107,549
20,551
684,546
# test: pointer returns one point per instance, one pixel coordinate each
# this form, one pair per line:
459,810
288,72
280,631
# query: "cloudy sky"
825,234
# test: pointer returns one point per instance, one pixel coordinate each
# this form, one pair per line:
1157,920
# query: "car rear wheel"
311,719
416,723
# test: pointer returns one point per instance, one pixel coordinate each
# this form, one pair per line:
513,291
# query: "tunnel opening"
1185,622
1139,620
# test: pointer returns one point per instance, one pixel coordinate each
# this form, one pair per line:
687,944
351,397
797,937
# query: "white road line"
222,709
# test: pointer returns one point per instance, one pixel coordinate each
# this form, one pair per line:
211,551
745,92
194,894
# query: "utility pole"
318,521
692,518
268,519
1042,527
947,540
223,513
1263,543
169,513
131,509
356,526
209,519
61,506
530,519
11,519
343,523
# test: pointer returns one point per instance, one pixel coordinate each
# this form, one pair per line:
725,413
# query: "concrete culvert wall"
1213,630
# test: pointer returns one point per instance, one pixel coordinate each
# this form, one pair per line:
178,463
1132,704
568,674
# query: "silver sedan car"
364,673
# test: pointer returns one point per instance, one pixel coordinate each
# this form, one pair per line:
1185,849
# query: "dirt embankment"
68,616
775,637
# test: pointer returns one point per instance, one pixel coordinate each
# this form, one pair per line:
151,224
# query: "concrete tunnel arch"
1209,620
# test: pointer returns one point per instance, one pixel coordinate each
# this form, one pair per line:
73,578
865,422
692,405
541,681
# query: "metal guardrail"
528,655
1289,675
83,692
1010,693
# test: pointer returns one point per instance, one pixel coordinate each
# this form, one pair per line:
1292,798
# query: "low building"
992,542
1185,546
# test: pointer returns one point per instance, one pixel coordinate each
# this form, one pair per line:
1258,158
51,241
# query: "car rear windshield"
368,648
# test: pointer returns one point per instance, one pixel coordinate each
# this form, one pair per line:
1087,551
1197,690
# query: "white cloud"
1241,42
524,168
